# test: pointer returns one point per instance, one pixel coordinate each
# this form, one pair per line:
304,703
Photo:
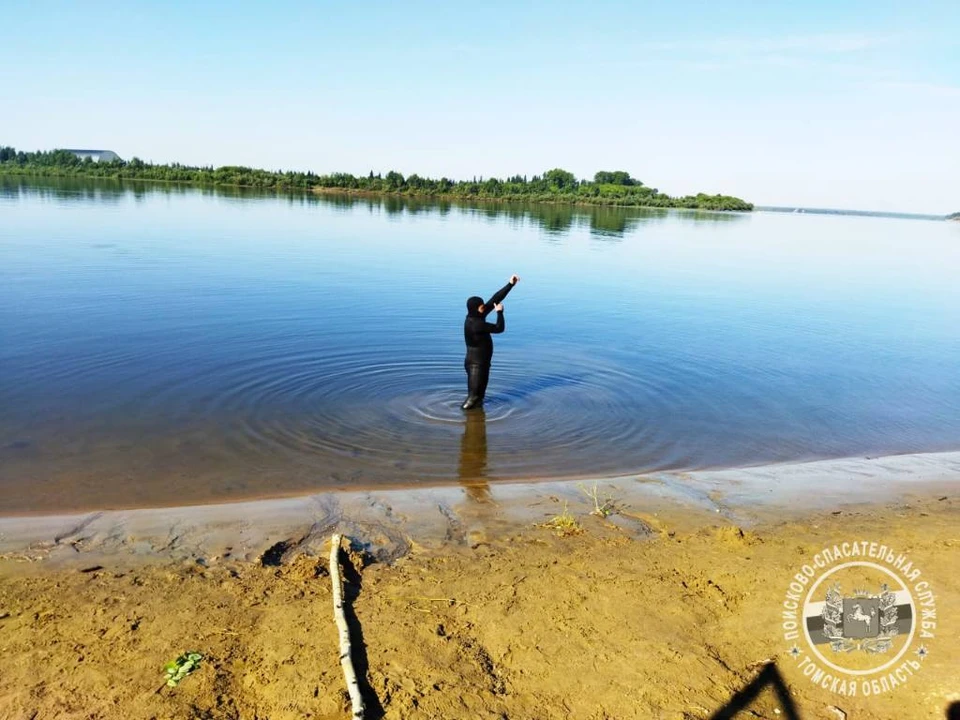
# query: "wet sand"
464,606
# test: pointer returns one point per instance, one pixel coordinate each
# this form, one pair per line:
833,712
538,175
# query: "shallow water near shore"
168,346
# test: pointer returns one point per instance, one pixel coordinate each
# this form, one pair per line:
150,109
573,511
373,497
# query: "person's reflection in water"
473,456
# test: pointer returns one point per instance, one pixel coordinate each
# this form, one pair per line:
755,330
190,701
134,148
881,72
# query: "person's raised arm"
500,325
500,294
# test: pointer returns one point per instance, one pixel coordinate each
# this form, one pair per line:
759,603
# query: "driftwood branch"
349,674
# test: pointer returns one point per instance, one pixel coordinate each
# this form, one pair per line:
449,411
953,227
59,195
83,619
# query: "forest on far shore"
606,188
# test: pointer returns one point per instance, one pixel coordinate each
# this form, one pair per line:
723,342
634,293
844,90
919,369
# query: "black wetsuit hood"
473,306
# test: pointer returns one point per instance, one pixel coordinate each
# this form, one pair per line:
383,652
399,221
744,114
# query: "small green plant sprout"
563,524
600,510
178,669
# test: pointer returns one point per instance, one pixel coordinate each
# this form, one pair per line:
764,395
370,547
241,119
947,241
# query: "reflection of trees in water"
612,223
553,219
63,189
395,206
79,188
605,222
556,220
340,202
472,469
113,190
108,190
705,216
609,224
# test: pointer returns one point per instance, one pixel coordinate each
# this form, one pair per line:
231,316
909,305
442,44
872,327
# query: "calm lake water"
168,346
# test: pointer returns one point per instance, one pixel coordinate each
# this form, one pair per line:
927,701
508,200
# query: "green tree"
560,179
615,177
394,180
556,186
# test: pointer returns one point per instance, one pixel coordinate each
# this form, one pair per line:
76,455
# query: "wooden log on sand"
349,674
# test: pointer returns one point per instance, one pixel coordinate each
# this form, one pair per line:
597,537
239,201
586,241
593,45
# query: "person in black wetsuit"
476,334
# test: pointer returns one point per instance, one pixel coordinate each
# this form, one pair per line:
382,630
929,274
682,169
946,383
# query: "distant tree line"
954,216
607,187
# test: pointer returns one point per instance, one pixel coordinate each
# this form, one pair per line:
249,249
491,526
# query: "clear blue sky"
826,102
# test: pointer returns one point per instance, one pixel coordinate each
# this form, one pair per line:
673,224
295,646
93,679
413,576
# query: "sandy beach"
488,361
464,603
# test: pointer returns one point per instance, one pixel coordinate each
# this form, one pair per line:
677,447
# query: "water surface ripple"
163,346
